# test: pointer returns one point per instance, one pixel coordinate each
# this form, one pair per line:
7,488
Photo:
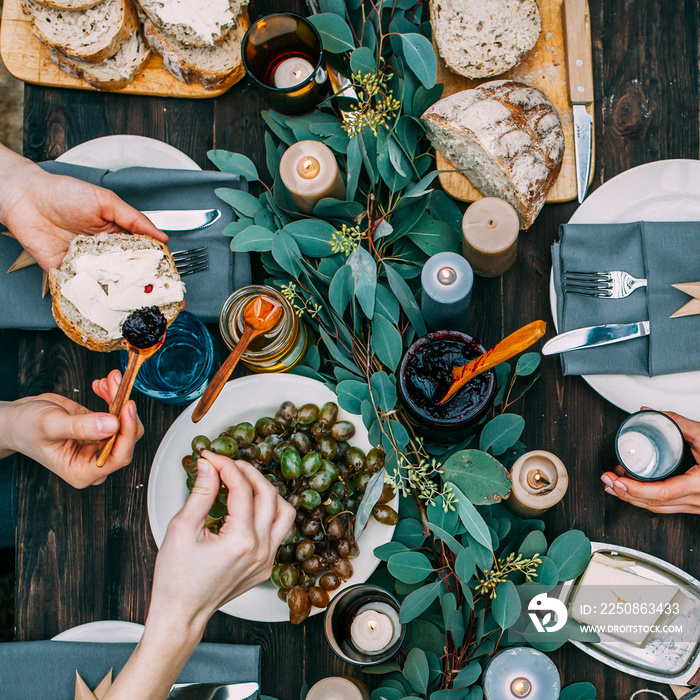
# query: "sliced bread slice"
506,137
69,4
113,73
484,38
214,67
90,35
91,296
203,23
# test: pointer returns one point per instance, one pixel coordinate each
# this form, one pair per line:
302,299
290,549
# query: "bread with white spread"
213,67
91,34
203,23
506,137
484,38
104,278
69,4
114,72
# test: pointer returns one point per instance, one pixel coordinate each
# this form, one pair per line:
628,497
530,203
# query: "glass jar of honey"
280,348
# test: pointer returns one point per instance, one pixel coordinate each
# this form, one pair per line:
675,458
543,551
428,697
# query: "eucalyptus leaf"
469,515
571,552
506,607
423,99
383,229
445,537
448,603
336,353
457,629
405,297
387,694
373,493
399,433
340,290
351,394
335,33
386,341
468,675
235,163
410,567
313,236
354,167
332,208
277,124
272,155
364,274
446,519
409,532
502,374
416,670
384,551
501,433
386,304
286,253
420,57
380,669
481,477
451,694
385,390
235,227
528,363
534,543
241,202
465,564
305,371
547,573
312,357
362,60
253,238
578,691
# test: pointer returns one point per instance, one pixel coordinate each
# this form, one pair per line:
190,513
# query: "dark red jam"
145,327
426,375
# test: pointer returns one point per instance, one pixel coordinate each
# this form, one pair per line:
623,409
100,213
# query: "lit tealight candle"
521,687
490,236
291,72
649,445
539,481
521,672
338,688
371,632
310,172
447,281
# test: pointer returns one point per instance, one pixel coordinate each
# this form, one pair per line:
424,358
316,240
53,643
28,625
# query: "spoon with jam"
144,334
260,315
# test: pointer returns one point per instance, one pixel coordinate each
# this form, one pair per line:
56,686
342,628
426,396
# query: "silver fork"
607,285
188,262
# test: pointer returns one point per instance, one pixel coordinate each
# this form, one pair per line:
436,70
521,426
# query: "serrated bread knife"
579,75
595,336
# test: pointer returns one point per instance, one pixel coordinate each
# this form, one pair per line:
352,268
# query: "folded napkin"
47,669
664,253
143,188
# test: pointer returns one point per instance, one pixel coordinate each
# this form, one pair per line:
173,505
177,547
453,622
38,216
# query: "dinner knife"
594,336
182,219
214,691
579,75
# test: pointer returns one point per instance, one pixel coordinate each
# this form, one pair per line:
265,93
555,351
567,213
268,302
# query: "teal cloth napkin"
665,253
47,669
143,188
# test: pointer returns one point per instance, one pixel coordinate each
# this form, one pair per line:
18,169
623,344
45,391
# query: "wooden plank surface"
544,67
28,59
88,555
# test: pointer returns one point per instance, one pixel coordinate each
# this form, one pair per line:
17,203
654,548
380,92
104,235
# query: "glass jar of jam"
425,375
279,349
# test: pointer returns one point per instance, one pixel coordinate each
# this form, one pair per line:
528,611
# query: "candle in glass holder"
521,672
373,629
490,236
338,688
291,72
310,172
649,445
446,281
539,481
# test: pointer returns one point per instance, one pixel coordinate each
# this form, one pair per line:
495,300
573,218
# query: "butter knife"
182,219
594,336
579,75
214,691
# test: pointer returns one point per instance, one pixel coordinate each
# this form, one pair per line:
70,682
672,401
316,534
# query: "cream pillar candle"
310,172
338,688
490,236
372,631
539,481
291,72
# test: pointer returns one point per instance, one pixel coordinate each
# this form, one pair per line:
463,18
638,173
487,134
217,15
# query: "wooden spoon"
514,344
137,356
260,315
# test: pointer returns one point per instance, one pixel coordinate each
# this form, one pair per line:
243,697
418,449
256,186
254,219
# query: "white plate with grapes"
246,400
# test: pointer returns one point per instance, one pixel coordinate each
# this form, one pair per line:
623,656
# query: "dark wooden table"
84,556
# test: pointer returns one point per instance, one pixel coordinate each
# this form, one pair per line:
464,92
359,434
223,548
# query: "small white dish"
247,399
127,151
102,631
667,190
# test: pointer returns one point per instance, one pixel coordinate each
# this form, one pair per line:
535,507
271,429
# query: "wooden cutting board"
544,68
28,59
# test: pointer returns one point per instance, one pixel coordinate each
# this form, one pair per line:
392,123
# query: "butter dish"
645,611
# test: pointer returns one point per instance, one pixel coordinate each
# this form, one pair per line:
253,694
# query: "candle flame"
537,480
632,451
446,275
308,167
521,687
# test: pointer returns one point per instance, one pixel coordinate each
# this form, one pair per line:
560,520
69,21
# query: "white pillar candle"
310,172
337,688
291,72
638,453
446,281
371,631
521,672
540,481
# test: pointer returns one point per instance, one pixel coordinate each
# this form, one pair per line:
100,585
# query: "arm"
679,494
198,571
65,436
45,212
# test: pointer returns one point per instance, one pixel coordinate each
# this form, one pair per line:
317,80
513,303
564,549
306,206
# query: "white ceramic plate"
102,631
247,399
668,190
126,151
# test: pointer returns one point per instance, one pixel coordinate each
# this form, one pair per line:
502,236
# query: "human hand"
45,212
198,571
65,437
678,494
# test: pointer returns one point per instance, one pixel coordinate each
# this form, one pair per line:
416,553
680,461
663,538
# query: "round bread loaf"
506,137
70,320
